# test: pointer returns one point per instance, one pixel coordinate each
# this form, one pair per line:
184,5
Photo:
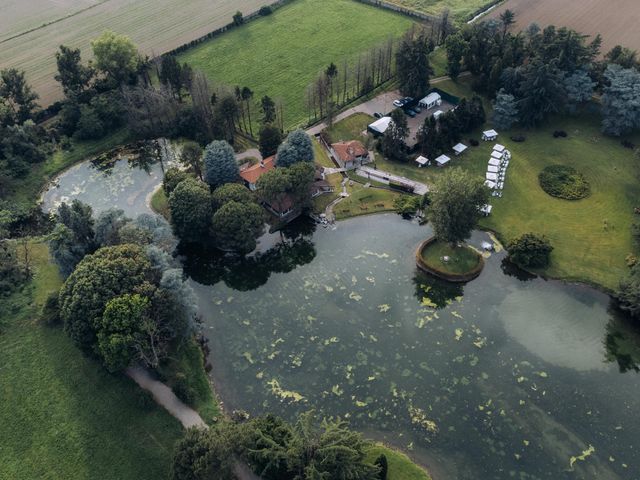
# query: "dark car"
378,115
410,112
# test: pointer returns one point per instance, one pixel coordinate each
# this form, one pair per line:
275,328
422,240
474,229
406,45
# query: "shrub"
183,390
474,142
407,206
559,134
172,178
635,233
381,463
564,182
50,314
530,251
518,138
265,10
628,144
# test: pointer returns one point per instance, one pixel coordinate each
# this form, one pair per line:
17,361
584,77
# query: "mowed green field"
460,10
281,54
591,237
63,415
156,26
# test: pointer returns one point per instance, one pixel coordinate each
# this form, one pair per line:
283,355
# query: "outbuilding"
459,148
442,160
432,100
489,135
379,126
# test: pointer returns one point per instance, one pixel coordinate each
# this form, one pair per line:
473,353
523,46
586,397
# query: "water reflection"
622,342
430,290
512,270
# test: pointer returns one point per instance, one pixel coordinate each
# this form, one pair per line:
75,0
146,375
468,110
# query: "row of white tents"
497,167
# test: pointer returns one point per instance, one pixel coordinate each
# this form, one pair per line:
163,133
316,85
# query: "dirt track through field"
616,20
154,25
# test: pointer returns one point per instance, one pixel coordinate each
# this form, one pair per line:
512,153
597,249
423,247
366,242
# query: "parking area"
416,122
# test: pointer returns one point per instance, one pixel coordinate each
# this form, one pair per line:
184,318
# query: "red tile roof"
254,172
349,151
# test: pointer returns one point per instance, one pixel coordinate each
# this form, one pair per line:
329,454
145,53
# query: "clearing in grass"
460,10
267,56
75,420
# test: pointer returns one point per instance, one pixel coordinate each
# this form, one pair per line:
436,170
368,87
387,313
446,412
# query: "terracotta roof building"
350,154
253,173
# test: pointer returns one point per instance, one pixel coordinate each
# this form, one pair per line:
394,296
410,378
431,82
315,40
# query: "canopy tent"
380,126
422,161
431,100
486,209
489,135
459,148
499,148
495,162
497,155
442,160
437,114
493,169
491,176
490,184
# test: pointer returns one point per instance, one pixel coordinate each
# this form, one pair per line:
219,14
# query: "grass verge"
400,466
349,128
63,415
160,203
460,260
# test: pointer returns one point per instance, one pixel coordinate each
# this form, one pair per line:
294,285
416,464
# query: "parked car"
416,109
410,112
398,103
378,115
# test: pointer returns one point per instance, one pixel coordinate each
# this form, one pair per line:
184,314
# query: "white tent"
437,114
486,209
459,148
489,135
495,162
490,184
422,161
491,176
499,148
493,169
442,160
431,100
380,126
497,155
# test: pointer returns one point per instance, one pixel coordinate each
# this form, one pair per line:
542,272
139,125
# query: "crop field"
281,54
617,21
154,25
461,10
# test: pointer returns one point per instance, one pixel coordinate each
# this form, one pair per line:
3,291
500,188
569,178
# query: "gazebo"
494,162
442,160
497,155
493,169
499,148
489,135
491,176
459,148
490,184
422,161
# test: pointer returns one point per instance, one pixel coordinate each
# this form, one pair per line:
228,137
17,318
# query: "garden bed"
463,264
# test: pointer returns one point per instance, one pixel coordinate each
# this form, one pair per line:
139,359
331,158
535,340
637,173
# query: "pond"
508,376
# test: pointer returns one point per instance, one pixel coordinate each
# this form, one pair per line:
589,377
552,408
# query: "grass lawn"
266,54
461,260
25,190
461,10
591,237
438,61
349,128
62,415
363,201
400,466
160,203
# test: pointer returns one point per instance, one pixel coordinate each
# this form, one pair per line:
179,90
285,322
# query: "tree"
116,56
505,111
108,227
191,157
72,75
89,126
508,18
456,47
541,92
190,205
171,74
579,88
621,101
236,226
238,19
393,141
296,148
381,463
246,95
106,274
231,192
270,138
202,107
172,178
268,109
220,164
530,251
74,237
120,331
17,96
412,66
301,176
628,294
273,187
456,199
622,56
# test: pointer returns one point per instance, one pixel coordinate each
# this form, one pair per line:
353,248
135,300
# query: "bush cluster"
518,138
564,182
559,134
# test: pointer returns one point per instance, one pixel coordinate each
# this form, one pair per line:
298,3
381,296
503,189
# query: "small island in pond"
449,262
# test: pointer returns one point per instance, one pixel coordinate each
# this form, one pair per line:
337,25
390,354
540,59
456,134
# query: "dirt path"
164,396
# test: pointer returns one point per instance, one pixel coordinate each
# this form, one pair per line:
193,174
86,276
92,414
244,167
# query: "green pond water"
508,376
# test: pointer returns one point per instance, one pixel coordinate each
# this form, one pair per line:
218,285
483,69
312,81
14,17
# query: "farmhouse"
251,175
350,154
432,100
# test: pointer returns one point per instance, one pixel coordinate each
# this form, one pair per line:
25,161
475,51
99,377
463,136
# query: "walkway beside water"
386,177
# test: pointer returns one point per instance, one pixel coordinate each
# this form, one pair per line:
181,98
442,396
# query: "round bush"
564,182
518,138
